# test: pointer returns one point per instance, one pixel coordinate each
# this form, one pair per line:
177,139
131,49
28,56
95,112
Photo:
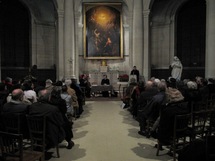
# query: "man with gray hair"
16,106
152,108
54,132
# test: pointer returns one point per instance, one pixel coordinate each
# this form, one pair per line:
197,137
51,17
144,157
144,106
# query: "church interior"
58,40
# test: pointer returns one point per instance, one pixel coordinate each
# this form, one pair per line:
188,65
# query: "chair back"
37,130
11,145
210,148
12,122
198,123
211,122
181,125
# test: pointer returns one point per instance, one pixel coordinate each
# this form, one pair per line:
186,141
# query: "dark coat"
145,96
167,116
54,131
16,107
152,108
105,81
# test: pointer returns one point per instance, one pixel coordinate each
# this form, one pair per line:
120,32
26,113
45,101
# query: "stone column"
69,37
146,46
78,40
60,46
210,39
137,55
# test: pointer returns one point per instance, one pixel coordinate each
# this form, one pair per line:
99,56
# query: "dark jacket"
54,131
15,107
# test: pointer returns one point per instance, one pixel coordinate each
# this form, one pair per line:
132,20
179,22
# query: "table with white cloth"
97,89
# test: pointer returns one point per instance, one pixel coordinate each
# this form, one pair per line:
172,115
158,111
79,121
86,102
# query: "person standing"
176,68
135,72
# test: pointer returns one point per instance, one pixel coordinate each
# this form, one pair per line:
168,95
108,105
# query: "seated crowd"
155,103
61,102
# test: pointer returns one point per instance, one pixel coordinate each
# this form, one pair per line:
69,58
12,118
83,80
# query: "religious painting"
103,35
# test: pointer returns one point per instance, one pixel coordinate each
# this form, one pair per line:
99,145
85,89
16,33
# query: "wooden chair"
211,101
12,122
210,148
12,148
37,130
198,128
180,133
210,123
16,123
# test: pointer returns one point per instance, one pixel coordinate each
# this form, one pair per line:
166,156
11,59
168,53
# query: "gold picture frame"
103,32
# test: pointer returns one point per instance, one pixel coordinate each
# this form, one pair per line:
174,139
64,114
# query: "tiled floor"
106,132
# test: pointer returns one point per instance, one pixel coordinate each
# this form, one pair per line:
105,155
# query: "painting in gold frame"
103,35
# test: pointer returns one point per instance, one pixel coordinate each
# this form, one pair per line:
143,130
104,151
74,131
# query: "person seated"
29,93
127,95
152,109
134,97
74,97
57,100
17,106
68,98
105,81
146,95
55,133
3,95
84,82
80,96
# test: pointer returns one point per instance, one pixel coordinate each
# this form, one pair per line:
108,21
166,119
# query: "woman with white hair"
176,68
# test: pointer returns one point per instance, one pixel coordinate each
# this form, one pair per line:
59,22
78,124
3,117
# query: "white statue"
176,68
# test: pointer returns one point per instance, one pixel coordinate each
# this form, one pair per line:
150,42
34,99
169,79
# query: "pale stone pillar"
210,39
78,40
60,46
146,46
137,55
69,37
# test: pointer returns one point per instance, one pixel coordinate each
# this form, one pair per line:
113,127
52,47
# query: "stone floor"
106,132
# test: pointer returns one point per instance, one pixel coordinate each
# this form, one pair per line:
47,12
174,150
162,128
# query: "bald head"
43,95
149,84
17,94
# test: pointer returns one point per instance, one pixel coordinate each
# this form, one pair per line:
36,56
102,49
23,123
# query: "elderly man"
55,132
16,105
152,108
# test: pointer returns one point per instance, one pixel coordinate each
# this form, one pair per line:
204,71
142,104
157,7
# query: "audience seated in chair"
29,93
152,109
16,105
80,96
146,95
56,100
135,94
74,99
55,132
84,82
127,95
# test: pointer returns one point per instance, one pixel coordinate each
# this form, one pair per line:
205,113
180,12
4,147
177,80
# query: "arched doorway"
190,37
14,36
